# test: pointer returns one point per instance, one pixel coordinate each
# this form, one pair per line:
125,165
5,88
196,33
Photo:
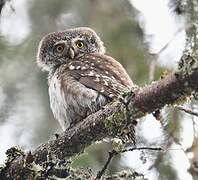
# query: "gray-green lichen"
113,122
11,154
84,174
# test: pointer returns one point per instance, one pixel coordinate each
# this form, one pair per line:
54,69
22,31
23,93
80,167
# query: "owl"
81,78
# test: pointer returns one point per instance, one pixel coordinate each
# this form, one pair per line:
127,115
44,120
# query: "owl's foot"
128,131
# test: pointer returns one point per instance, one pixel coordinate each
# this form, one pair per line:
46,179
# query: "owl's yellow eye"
60,48
80,44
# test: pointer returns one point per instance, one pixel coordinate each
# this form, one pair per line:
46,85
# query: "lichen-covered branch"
109,121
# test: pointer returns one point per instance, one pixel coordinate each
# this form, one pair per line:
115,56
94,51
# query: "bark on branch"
106,122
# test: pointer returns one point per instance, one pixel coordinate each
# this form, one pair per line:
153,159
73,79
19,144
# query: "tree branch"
189,111
108,121
114,153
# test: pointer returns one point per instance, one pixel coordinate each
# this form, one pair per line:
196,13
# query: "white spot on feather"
71,67
102,90
111,95
105,83
91,73
97,79
78,67
83,68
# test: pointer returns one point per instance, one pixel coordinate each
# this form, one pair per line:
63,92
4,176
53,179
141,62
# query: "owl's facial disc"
62,47
72,49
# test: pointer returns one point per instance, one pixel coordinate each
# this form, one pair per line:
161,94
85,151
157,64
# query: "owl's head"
62,47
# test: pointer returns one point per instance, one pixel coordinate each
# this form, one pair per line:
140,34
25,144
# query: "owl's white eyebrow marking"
77,39
61,42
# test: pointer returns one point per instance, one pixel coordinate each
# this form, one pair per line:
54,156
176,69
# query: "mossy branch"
109,121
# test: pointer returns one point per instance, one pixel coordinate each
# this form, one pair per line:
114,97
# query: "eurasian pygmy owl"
81,78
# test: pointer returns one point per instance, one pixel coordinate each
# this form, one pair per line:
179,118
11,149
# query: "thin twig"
168,43
111,154
141,148
156,55
193,121
152,70
114,153
189,111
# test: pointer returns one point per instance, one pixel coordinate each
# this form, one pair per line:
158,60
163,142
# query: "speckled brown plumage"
82,78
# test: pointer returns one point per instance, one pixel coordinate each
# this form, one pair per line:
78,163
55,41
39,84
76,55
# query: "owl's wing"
101,73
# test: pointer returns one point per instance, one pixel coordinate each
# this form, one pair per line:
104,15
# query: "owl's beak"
71,52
